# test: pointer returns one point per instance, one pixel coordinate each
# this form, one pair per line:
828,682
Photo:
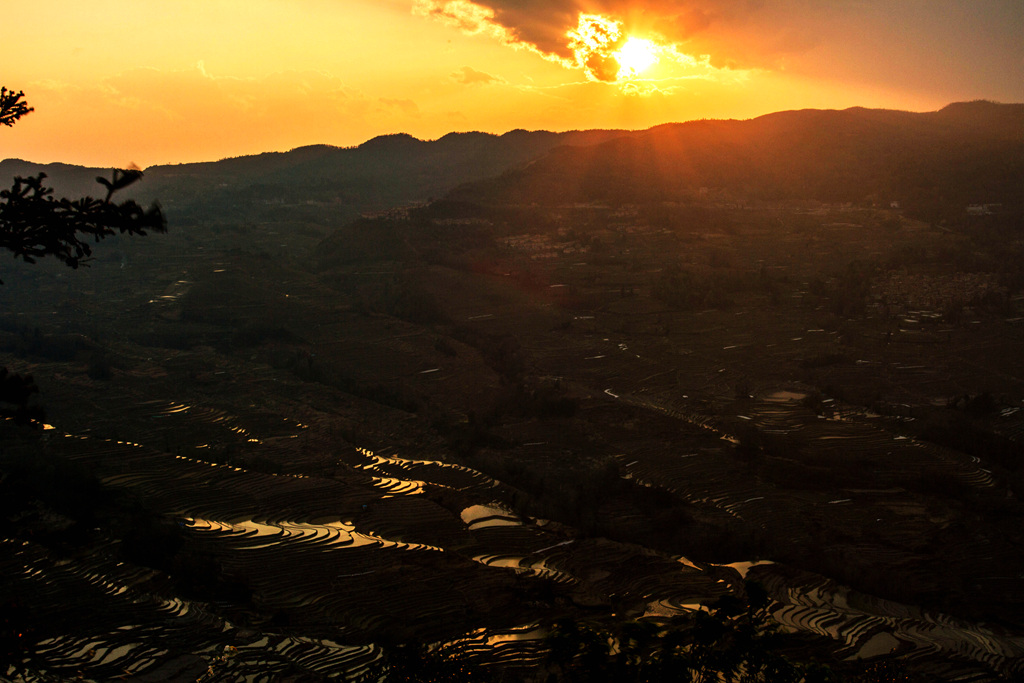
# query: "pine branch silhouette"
35,224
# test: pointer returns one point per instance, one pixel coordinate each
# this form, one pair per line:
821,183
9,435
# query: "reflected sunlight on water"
337,534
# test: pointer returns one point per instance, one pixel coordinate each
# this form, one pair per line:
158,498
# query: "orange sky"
115,82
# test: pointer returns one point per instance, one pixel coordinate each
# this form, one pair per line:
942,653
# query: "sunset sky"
148,82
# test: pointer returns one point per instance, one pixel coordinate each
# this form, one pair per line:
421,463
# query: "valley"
279,447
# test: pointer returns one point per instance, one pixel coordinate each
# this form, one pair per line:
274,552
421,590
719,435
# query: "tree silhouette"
12,107
34,224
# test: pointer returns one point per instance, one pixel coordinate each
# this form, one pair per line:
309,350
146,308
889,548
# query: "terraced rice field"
367,554
352,480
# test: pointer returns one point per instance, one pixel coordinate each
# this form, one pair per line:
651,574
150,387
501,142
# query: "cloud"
469,17
593,42
643,89
475,18
407,107
470,76
586,35
457,118
734,33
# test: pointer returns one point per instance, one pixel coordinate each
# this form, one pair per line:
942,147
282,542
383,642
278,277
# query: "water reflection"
337,534
482,516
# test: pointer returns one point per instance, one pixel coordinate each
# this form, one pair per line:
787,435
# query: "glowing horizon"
115,83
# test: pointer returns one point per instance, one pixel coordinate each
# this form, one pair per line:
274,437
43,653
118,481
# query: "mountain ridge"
966,152
962,154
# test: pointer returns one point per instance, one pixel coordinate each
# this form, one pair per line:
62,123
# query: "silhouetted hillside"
386,171
69,180
966,153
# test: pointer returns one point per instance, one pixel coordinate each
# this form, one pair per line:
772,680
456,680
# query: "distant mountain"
966,153
67,179
383,172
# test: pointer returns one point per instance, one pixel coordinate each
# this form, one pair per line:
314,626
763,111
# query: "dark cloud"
689,22
602,68
538,22
543,24
879,41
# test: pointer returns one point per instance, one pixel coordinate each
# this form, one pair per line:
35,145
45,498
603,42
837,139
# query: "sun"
635,56
604,53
